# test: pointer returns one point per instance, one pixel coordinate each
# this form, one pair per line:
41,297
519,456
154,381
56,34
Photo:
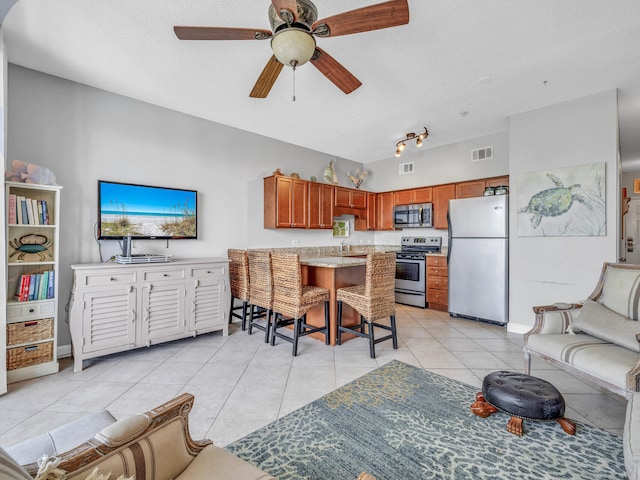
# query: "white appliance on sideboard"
479,258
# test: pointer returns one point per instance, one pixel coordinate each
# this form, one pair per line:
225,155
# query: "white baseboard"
64,351
518,327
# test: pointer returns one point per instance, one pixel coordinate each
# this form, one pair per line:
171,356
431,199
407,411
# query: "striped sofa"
598,339
155,445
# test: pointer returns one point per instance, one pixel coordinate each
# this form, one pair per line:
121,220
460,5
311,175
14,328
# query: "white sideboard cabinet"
120,307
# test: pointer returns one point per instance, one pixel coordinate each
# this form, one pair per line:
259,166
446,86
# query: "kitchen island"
333,273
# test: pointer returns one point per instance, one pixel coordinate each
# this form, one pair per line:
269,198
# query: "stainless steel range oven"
411,269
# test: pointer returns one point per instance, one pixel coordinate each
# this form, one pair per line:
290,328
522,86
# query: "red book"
24,290
13,215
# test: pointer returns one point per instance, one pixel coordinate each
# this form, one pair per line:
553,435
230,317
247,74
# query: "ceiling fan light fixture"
293,46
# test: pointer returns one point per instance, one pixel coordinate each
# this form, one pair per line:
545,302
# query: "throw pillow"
600,322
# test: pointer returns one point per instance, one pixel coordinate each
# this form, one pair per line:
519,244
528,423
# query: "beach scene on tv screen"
142,211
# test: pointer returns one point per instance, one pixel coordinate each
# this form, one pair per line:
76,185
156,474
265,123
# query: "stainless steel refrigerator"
479,258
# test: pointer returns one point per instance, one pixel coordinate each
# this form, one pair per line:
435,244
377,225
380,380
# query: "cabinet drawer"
211,271
110,278
437,271
30,331
438,283
433,261
30,310
21,357
154,275
437,296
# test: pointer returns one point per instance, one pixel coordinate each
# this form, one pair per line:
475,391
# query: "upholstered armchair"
596,339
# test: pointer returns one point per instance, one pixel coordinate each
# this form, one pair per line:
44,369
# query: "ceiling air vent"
485,153
406,168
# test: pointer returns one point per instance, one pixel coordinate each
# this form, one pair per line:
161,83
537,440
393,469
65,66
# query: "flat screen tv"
145,211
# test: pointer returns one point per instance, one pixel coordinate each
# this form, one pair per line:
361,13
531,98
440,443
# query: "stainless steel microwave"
418,215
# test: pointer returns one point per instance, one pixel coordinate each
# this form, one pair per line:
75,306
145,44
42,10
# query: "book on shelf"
13,214
35,286
27,211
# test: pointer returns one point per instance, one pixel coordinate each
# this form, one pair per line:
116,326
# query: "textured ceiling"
490,58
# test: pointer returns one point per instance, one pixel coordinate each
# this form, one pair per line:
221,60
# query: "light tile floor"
240,383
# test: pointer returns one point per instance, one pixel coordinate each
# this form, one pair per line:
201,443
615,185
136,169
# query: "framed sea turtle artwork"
562,202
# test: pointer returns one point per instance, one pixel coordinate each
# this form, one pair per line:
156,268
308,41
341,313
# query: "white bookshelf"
32,250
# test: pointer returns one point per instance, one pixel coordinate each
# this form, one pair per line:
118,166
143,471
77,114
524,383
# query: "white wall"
84,134
545,270
439,165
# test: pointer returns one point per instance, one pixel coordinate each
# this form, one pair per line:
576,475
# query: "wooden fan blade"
334,71
221,33
289,5
267,78
373,17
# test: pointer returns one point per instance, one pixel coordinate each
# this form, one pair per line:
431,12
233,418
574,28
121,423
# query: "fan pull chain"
293,64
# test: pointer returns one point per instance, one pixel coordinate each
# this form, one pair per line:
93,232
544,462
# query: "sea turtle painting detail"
553,202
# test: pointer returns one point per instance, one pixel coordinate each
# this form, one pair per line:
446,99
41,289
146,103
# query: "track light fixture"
401,145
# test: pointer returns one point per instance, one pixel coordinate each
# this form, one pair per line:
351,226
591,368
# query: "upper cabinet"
385,204
441,196
414,195
285,202
320,205
497,181
350,198
370,220
474,188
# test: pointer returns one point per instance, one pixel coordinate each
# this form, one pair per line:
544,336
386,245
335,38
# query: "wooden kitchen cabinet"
350,198
414,195
285,202
321,205
385,204
441,196
473,188
437,282
370,221
497,181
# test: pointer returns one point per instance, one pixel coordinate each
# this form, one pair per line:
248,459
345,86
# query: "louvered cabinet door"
109,319
208,299
163,314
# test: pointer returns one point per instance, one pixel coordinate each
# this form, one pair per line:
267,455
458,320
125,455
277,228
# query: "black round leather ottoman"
523,397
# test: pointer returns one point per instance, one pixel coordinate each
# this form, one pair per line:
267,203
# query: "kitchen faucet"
343,244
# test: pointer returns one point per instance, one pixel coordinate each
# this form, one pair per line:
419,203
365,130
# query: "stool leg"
567,425
296,331
326,323
514,425
251,318
394,336
231,310
244,315
273,328
267,328
339,339
372,343
481,407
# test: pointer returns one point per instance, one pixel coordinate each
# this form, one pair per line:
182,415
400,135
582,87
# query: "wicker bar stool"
239,279
260,291
373,301
292,300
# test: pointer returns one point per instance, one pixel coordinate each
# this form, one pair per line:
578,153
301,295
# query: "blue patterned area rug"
401,422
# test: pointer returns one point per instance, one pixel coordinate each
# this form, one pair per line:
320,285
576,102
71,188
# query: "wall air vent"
406,168
479,154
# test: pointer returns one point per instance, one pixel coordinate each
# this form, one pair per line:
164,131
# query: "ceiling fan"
294,24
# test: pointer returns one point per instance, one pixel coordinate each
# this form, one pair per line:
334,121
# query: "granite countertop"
334,262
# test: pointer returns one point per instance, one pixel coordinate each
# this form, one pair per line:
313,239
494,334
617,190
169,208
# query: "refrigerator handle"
450,240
